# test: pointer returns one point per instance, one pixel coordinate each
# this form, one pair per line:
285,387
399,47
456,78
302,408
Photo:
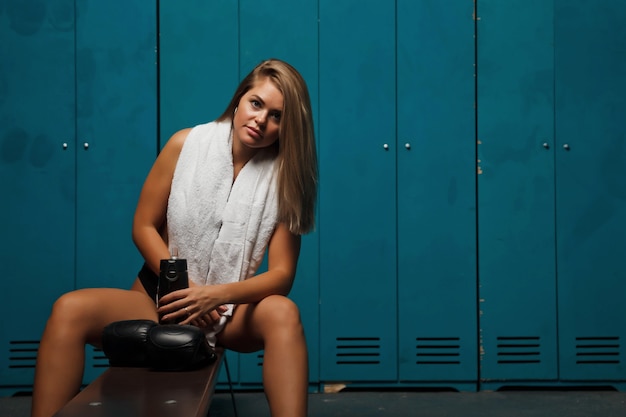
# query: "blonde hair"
297,157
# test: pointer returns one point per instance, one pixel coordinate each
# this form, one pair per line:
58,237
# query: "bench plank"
140,392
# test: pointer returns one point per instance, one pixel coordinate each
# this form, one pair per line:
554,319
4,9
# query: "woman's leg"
274,325
78,318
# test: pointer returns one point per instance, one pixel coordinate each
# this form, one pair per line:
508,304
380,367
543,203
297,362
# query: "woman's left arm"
282,260
283,252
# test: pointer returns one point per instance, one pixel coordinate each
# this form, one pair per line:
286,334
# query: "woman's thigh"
91,309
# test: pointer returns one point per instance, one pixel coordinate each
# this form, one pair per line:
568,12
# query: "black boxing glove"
124,342
175,347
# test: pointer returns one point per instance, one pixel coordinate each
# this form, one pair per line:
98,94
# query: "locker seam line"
476,200
319,231
158,76
75,248
396,179
554,196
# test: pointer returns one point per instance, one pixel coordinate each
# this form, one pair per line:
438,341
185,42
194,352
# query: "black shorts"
149,280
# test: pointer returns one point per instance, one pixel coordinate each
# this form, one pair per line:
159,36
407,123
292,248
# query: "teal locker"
197,82
558,315
117,129
436,154
590,149
116,140
516,230
81,127
37,142
358,341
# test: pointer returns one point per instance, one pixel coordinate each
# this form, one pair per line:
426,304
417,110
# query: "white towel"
222,228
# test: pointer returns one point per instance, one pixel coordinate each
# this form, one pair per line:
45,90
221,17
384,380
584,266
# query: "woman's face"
257,119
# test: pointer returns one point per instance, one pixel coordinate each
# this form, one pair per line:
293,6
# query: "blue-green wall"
471,218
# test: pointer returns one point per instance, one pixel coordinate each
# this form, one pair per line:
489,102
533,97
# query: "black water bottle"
172,277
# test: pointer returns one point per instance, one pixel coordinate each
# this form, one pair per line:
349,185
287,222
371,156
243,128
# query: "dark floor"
414,404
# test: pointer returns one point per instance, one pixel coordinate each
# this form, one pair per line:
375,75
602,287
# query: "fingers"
173,296
206,320
178,316
201,322
175,310
188,315
190,306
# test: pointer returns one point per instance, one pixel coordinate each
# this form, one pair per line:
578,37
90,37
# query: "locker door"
591,210
358,338
116,130
37,151
117,127
436,193
289,32
516,238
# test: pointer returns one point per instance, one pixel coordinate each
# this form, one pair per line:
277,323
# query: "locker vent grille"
519,349
23,353
99,359
598,350
358,351
259,358
438,350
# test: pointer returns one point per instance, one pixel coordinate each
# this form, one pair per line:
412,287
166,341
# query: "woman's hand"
196,305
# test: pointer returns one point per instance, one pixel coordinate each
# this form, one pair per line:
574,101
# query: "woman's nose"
261,117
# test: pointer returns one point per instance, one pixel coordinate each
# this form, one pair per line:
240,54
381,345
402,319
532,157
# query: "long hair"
297,157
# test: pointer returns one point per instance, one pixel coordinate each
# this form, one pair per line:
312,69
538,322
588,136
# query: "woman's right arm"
150,214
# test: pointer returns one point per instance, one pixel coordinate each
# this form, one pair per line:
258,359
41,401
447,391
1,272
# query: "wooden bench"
140,392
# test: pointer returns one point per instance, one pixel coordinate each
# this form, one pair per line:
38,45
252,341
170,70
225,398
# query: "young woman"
220,195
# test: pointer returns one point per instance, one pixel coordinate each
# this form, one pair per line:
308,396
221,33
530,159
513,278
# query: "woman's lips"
254,132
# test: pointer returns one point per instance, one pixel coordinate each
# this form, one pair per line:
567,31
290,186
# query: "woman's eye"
276,116
255,103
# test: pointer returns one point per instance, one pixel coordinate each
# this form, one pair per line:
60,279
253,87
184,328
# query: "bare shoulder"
174,145
176,141
168,157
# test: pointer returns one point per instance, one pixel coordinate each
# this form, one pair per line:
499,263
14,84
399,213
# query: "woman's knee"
253,325
70,317
71,306
278,310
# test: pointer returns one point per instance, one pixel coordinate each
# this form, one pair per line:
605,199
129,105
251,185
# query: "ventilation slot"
438,350
23,354
99,359
597,350
358,351
519,350
259,358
